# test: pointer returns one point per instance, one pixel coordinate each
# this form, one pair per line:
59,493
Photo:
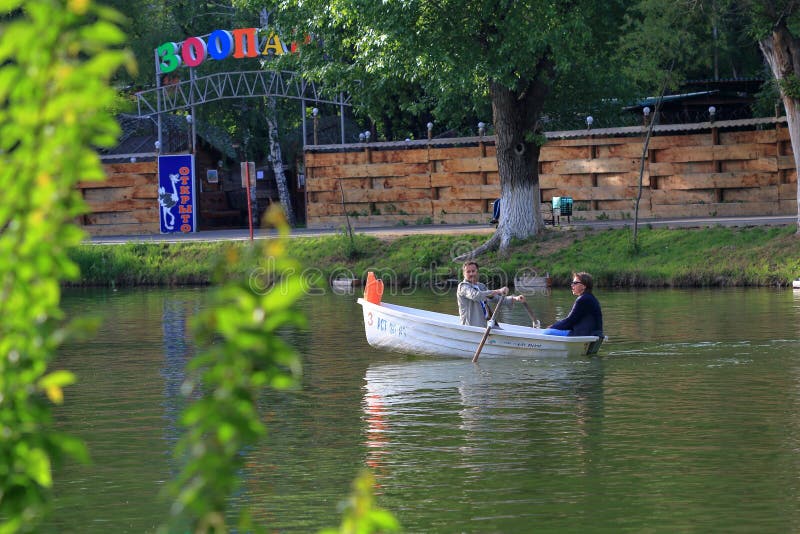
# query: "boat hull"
412,331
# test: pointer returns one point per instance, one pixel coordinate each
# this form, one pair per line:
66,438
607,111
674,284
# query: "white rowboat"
413,331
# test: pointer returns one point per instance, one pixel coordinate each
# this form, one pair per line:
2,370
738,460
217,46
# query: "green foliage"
790,86
56,59
696,37
240,354
436,60
361,515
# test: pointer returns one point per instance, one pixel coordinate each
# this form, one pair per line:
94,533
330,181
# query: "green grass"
754,256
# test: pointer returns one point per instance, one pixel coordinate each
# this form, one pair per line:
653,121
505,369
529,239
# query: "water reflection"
408,397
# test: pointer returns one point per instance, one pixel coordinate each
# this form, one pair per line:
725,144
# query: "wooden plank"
761,164
668,169
332,184
334,159
124,217
140,167
760,194
550,181
788,191
471,192
457,206
399,194
92,196
718,180
660,142
605,165
122,179
145,191
724,209
415,155
747,137
445,154
661,197
621,206
627,150
120,205
377,170
558,153
323,209
785,162
124,229
410,181
470,165
716,153
626,179
448,179
411,207
585,141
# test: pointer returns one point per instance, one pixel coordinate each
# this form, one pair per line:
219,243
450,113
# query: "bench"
214,206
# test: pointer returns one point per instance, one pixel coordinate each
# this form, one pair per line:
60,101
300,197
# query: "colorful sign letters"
220,44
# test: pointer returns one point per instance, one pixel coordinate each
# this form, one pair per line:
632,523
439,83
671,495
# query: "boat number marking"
384,325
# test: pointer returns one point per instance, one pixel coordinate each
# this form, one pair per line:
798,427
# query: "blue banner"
176,195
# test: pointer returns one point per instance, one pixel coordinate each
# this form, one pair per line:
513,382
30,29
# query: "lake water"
689,421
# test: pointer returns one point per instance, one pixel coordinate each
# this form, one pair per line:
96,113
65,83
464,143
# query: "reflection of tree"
176,354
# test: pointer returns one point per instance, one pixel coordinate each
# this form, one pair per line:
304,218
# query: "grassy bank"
755,256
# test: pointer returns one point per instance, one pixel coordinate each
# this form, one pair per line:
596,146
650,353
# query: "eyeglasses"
575,282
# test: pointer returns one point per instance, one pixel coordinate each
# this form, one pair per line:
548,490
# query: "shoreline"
757,256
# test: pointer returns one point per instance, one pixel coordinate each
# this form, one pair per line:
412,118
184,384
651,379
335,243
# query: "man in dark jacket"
586,317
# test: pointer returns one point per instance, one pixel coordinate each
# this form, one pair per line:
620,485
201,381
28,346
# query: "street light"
157,144
712,112
646,114
361,137
366,136
481,128
430,130
589,121
315,114
190,132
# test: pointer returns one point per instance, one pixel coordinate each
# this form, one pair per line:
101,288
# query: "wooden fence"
724,169
125,203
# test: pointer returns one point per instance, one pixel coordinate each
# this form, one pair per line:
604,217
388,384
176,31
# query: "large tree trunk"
782,52
516,118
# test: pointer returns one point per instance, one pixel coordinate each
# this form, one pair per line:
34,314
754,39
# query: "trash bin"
562,207
565,206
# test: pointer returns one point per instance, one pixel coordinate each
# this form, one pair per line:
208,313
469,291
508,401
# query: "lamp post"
712,113
315,114
190,132
361,137
645,115
481,129
157,145
366,136
430,130
589,121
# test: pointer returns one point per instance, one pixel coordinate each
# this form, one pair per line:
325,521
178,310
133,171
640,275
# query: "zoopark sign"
219,45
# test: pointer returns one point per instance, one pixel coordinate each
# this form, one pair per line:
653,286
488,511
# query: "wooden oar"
530,314
488,328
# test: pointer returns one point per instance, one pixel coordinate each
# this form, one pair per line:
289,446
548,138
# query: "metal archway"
238,84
